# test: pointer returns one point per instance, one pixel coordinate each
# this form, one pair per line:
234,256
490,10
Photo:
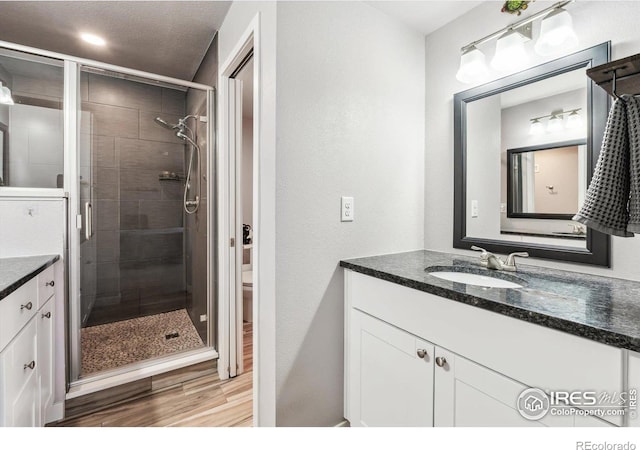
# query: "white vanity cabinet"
415,359
27,353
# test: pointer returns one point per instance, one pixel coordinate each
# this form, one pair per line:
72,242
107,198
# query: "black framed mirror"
544,181
525,149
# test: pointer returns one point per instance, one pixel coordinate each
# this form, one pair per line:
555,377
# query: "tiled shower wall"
138,264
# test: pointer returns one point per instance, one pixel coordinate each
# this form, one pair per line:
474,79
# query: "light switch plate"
347,208
474,208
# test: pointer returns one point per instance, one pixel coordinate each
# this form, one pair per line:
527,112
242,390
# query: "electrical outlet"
474,208
203,317
347,209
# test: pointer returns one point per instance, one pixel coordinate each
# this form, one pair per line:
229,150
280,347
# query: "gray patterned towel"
633,127
606,204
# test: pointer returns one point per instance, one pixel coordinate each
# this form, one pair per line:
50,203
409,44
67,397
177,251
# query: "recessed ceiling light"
93,39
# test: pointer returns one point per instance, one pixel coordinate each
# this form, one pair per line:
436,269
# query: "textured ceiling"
425,16
164,37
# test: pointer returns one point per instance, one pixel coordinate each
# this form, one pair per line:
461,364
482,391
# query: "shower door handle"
88,221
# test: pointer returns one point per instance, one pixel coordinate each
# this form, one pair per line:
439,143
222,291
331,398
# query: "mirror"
525,149
32,138
546,181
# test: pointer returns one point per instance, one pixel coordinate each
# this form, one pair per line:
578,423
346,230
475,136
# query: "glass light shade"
5,96
510,52
555,124
536,127
473,67
556,33
574,120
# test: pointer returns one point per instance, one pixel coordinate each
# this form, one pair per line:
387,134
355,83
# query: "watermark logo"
533,404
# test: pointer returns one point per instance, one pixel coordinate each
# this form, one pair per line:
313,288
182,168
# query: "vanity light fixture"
556,121
5,95
556,35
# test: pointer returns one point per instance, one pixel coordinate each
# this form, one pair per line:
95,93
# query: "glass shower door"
135,304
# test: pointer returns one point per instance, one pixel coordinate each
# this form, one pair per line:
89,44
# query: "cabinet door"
19,380
470,395
24,406
390,375
45,358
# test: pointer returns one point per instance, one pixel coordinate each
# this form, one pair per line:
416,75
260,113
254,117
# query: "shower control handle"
88,221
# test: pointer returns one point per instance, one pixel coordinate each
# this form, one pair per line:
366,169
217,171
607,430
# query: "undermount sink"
474,279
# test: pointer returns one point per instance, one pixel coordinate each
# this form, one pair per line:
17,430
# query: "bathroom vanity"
30,311
424,351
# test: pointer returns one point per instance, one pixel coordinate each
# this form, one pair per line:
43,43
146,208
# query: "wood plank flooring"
205,401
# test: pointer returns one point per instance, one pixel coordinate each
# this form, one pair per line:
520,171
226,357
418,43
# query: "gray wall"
196,224
138,219
595,22
350,121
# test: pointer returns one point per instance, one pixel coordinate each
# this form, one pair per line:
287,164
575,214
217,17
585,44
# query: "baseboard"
344,423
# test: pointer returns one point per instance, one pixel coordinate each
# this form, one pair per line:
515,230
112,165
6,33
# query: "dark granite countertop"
602,309
14,272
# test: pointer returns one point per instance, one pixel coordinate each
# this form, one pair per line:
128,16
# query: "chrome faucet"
493,262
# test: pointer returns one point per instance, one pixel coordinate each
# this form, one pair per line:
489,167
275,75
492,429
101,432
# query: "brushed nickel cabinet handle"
441,361
50,283
47,315
422,353
28,306
31,365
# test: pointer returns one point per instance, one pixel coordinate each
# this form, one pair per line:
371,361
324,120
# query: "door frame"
263,177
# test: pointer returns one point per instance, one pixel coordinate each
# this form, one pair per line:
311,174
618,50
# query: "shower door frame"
71,189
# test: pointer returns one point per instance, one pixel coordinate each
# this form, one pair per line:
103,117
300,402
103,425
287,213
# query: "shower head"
165,124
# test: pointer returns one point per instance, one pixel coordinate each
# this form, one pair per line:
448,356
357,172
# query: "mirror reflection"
527,162
546,181
31,110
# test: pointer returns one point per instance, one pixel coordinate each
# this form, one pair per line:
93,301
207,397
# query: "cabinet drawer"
16,310
21,352
46,285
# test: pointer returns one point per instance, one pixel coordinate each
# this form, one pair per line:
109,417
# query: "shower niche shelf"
170,178
627,75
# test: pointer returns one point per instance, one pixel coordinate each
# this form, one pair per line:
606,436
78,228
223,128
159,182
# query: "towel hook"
614,82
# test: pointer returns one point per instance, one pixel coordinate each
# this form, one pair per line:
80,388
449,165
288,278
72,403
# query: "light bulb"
555,124
510,52
473,67
574,120
536,127
556,33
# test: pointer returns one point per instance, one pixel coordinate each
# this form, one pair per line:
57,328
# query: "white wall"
595,22
350,118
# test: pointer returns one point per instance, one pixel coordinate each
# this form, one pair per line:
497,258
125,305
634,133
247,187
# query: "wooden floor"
205,402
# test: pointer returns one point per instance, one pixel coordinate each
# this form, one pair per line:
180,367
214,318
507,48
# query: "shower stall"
143,241
128,155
